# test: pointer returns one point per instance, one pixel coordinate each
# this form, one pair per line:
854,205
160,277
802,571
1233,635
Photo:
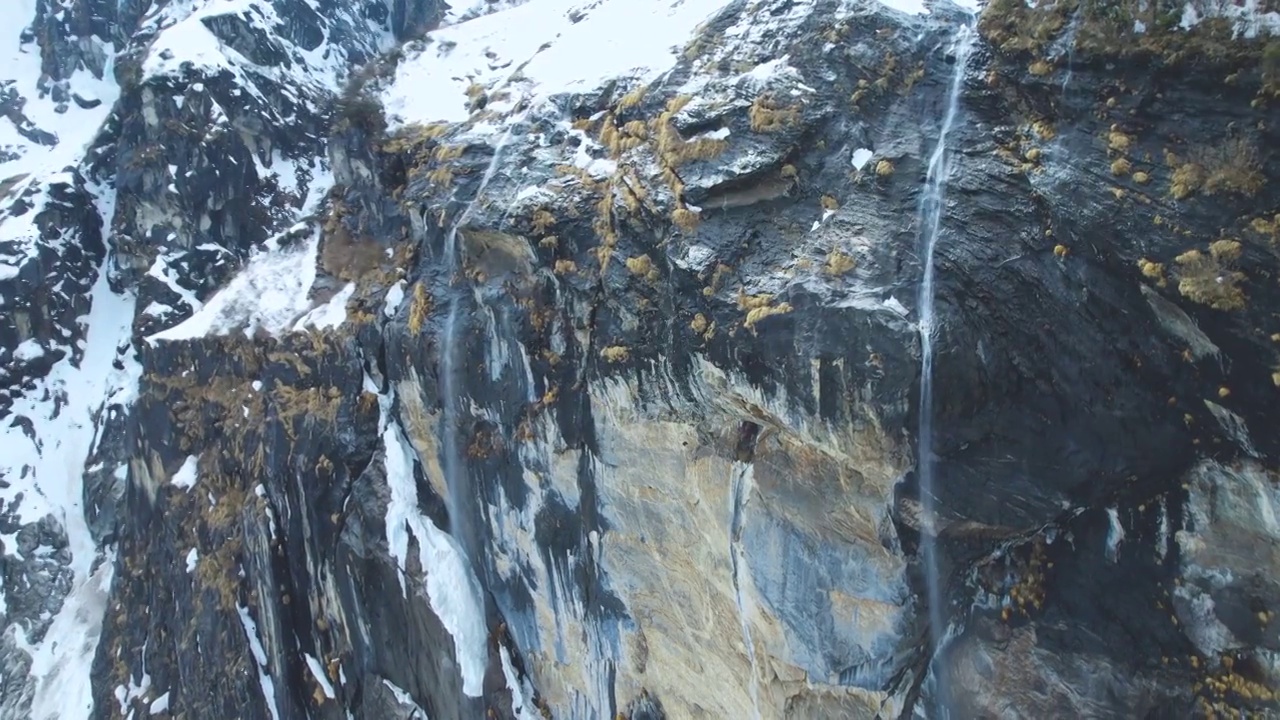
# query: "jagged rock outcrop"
494,373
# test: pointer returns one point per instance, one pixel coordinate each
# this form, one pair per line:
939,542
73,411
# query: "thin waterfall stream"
1068,49
932,203
454,467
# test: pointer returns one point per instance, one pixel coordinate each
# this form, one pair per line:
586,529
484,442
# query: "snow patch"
521,695
317,672
1248,20
404,698
451,587
29,350
126,695
331,314
895,306
161,271
394,296
193,557
187,475
762,74
260,658
910,7
160,704
1115,534
861,157
61,663
270,293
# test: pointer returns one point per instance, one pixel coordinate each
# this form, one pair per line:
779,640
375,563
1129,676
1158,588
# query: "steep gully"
932,203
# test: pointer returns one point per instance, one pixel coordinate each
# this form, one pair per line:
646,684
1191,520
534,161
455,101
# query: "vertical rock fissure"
930,214
741,481
740,484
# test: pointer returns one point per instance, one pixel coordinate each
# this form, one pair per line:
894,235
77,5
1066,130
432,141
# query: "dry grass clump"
542,221
1152,270
419,308
621,139
838,263
759,307
615,353
447,153
1210,279
1268,228
1118,141
1231,166
345,257
632,99
642,266
441,176
686,219
412,135
768,115
217,569
672,149
1013,25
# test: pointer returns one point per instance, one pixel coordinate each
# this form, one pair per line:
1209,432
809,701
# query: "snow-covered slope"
64,358
541,48
46,126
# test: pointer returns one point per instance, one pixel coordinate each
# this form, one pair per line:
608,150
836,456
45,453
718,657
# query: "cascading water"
1067,47
455,471
930,215
740,489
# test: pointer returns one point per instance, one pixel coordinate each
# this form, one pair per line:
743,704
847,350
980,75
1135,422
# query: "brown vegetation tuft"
1210,278
768,115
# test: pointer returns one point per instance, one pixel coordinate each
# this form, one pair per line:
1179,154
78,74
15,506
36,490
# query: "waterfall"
1068,47
930,214
740,490
454,466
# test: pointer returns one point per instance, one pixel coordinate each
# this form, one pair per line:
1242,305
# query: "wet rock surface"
605,404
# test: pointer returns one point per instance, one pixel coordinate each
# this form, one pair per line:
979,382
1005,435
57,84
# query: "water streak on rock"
931,209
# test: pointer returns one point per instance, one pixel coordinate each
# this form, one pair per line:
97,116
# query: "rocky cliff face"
555,359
